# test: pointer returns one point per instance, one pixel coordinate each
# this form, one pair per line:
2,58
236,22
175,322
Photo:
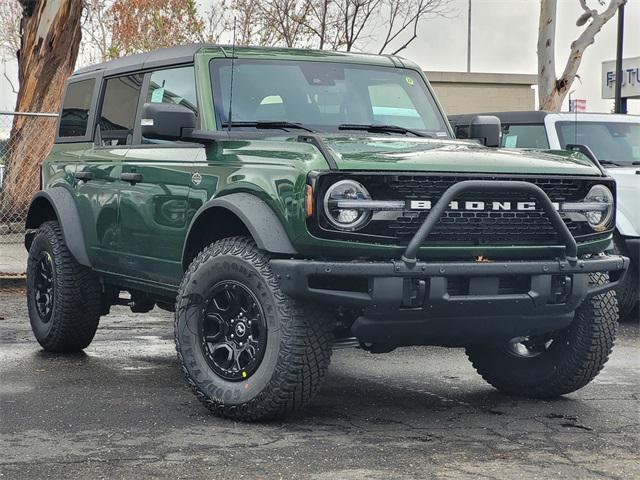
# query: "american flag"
578,105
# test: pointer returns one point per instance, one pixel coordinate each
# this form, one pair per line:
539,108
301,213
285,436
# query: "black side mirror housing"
166,121
587,152
486,129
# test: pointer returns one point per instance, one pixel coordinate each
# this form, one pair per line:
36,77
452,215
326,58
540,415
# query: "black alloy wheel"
44,286
248,351
233,331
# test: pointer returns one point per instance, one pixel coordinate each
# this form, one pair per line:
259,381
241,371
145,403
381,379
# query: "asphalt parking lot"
122,410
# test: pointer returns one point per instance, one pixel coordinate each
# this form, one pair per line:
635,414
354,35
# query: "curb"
12,281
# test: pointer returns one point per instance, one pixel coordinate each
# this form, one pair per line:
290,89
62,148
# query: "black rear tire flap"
299,341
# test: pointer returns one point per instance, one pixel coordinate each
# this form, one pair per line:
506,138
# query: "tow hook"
561,286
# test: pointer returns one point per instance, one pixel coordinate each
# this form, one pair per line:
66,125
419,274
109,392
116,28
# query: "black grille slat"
485,227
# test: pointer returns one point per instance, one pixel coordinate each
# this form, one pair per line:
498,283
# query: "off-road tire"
299,337
569,364
76,295
627,290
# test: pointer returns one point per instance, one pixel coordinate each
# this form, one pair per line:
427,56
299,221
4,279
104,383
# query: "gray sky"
504,34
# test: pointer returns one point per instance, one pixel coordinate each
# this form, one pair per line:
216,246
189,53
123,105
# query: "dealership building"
464,92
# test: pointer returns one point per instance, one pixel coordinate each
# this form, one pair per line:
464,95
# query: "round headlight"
599,218
350,218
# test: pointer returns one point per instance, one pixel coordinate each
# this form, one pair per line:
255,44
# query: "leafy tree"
143,25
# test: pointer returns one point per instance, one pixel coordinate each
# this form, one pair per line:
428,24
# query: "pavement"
13,260
122,410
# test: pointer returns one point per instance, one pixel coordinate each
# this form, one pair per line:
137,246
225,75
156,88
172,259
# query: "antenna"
575,112
233,57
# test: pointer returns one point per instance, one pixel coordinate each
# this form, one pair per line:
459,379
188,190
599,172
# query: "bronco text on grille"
476,218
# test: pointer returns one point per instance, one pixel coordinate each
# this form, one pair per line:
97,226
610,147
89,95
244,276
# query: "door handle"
83,176
131,177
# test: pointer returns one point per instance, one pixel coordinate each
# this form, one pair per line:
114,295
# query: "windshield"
324,96
616,142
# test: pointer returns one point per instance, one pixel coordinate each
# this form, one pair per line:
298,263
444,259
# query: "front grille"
530,227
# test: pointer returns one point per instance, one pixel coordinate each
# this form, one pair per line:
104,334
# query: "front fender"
62,202
261,221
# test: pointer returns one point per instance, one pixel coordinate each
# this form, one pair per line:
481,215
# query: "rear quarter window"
74,118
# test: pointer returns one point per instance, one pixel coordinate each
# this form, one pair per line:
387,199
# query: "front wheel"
248,351
561,362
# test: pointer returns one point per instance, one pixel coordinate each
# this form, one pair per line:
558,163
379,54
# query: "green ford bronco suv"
282,201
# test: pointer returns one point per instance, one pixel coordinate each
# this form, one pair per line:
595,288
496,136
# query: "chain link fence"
25,139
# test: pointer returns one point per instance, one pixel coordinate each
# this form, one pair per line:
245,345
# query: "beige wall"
460,92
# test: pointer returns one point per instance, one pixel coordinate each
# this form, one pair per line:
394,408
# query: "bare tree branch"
552,89
405,16
4,73
10,14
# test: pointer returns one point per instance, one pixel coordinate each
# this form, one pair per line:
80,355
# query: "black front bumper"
450,303
411,302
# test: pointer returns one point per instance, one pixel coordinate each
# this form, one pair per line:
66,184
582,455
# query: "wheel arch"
232,215
58,203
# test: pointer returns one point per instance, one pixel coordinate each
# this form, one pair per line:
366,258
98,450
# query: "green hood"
431,155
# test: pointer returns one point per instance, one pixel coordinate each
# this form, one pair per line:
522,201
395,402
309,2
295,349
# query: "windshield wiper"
382,128
609,162
273,124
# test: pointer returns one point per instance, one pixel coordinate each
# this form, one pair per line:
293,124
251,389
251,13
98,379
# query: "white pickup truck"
613,139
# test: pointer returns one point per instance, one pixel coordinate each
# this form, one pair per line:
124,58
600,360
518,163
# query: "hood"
432,155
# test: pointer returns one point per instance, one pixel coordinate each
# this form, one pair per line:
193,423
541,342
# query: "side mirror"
166,121
583,149
487,129
587,152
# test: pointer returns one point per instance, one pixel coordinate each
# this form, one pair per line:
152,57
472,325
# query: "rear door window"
75,110
118,112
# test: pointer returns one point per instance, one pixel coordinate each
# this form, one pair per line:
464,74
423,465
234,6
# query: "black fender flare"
263,224
63,203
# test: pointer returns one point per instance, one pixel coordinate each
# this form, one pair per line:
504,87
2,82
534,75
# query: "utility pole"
469,38
620,105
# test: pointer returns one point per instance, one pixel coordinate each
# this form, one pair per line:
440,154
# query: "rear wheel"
557,363
63,296
248,351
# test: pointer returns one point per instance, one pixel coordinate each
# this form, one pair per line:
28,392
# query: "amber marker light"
308,201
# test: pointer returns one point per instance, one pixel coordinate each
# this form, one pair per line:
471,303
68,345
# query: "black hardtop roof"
531,116
183,54
139,61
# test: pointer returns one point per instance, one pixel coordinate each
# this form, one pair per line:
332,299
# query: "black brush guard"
411,302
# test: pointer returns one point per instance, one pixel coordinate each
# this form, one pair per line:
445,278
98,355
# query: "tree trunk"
551,89
546,52
49,47
552,102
